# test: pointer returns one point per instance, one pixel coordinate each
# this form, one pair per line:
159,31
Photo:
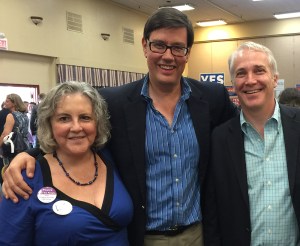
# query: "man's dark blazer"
226,207
209,106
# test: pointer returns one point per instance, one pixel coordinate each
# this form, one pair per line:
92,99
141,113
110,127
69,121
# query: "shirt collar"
185,92
276,117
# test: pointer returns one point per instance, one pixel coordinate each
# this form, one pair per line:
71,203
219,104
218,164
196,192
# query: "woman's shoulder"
9,116
37,179
106,156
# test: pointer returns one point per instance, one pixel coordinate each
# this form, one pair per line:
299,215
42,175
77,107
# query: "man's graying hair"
255,47
169,18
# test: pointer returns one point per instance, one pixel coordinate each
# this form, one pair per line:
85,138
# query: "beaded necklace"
73,180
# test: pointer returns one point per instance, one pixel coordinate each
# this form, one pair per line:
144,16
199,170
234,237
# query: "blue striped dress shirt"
172,157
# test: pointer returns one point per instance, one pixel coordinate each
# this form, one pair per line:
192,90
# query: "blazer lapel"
135,117
235,143
199,111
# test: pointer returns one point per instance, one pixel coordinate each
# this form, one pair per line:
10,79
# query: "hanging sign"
212,77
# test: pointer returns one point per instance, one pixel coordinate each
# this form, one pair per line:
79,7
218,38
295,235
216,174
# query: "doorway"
28,93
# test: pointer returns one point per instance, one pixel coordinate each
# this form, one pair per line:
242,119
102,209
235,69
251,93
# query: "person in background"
33,121
28,113
253,189
26,105
30,107
16,120
290,97
3,117
32,139
78,197
160,140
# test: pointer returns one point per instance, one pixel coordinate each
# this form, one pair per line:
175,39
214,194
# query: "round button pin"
62,207
46,194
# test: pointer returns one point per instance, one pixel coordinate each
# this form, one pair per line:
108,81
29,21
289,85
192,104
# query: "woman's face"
74,124
9,104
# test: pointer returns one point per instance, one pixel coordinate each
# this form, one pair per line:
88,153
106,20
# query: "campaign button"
47,194
62,207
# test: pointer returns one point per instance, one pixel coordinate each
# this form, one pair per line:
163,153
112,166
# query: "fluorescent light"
287,15
211,23
183,7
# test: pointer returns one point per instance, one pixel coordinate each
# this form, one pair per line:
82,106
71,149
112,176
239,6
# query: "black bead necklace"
73,180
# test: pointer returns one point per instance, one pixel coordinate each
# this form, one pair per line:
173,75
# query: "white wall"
52,40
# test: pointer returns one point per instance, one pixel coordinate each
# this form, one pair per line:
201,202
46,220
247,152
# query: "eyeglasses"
161,48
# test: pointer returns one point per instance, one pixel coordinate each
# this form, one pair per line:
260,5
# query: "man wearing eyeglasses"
161,127
160,138
160,135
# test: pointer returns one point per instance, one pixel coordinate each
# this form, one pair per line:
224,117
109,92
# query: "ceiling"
232,11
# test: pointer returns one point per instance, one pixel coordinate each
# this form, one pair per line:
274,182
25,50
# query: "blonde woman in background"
17,118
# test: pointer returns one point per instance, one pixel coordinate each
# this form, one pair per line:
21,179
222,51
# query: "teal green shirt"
273,220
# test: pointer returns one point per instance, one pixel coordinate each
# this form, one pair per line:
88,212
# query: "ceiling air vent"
74,22
128,35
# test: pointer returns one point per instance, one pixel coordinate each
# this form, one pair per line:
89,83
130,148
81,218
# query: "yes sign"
212,77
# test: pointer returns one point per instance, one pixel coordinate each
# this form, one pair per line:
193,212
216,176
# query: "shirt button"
269,183
269,207
177,180
175,156
269,231
177,204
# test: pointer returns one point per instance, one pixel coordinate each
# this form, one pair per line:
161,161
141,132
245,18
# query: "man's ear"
275,78
144,44
188,55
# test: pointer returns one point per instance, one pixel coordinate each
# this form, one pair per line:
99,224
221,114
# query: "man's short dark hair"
169,18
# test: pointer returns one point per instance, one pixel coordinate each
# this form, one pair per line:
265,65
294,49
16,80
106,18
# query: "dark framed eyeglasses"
161,48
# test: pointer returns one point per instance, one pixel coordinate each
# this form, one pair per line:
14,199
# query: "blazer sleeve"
210,215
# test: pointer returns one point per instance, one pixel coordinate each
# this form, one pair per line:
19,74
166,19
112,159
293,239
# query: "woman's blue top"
33,222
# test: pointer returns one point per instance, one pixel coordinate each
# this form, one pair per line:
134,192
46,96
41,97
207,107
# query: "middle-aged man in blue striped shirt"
160,140
253,195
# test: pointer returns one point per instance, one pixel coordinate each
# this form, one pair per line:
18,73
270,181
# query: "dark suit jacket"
226,208
209,105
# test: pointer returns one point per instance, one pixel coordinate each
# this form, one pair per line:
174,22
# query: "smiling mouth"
167,67
74,138
252,92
